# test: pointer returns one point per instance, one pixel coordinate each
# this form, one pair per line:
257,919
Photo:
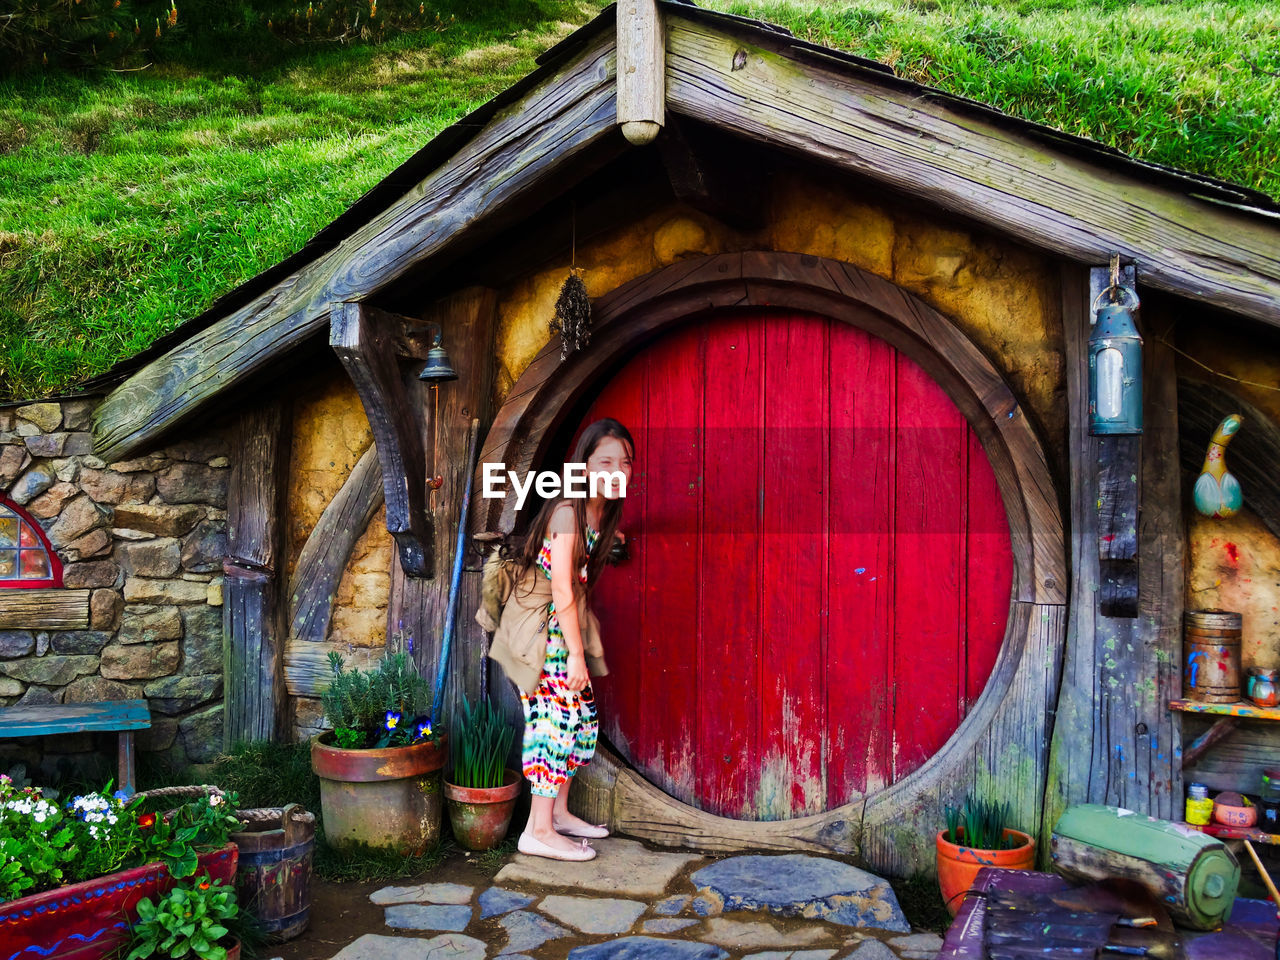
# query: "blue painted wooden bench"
122,716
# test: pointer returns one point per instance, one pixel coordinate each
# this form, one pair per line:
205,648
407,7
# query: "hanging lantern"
1115,367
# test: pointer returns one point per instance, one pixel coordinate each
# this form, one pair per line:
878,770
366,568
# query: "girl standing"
566,549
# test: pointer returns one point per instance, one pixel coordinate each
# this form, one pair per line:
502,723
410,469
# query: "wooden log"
306,664
417,608
1113,739
1017,185
324,556
569,115
364,339
36,609
253,612
641,70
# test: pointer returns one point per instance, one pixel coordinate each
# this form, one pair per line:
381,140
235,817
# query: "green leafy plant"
188,921
980,824
37,844
201,824
480,746
389,705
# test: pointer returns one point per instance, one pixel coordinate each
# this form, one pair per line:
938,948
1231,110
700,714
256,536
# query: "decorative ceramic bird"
1217,492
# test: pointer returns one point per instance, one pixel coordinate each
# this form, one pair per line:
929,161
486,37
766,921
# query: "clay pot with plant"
977,836
481,791
379,767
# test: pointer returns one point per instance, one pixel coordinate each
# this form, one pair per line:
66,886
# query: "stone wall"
147,537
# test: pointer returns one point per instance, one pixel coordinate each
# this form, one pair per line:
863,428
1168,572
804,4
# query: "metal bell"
438,369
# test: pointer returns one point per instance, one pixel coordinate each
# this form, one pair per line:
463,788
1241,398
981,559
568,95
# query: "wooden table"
122,716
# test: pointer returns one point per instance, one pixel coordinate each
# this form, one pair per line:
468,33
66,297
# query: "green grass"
130,201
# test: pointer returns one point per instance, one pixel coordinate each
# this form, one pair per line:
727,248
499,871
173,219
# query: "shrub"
387,706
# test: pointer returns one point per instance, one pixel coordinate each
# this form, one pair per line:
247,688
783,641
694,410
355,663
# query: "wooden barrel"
274,877
1211,656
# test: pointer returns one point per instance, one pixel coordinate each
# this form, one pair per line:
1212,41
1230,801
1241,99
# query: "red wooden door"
821,572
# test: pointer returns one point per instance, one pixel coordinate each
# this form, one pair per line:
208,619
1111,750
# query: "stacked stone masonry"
147,537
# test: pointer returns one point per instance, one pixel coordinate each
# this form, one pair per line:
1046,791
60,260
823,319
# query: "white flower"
215,801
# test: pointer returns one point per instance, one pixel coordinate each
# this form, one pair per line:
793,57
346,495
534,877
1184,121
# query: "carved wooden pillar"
253,612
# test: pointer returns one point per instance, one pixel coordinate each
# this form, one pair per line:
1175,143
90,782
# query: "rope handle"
289,815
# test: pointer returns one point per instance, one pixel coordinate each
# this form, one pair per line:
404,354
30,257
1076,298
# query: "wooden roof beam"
509,164
642,71
965,163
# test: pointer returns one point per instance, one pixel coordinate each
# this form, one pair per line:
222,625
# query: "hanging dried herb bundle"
573,315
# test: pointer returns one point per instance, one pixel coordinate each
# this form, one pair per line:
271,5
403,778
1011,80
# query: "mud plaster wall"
1234,564
1004,296
330,432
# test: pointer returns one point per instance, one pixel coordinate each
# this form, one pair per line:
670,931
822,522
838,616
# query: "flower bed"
72,873
90,920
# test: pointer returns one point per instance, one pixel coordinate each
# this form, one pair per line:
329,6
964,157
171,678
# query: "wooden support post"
417,608
365,340
126,779
1114,741
642,68
1119,481
253,612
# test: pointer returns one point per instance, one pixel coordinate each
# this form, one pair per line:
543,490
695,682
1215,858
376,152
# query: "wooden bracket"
1119,483
367,341
703,177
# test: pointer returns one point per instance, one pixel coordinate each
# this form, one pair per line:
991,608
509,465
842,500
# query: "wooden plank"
929,502
988,559
1243,709
417,607
1004,179
641,69
728,744
793,720
568,117
364,339
1235,763
39,609
306,664
1224,832
1113,740
253,613
44,720
861,575
324,556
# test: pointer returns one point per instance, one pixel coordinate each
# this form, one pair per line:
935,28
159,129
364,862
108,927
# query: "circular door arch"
822,565
887,827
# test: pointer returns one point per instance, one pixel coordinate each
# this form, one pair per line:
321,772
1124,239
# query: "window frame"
54,580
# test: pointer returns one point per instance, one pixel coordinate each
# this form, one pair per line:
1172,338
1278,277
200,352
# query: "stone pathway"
633,903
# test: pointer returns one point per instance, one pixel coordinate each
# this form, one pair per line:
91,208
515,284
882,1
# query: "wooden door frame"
1003,742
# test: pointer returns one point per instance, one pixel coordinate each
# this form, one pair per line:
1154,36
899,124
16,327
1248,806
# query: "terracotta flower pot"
480,816
385,797
958,865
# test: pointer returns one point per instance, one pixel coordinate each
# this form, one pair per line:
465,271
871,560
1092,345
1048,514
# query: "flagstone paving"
635,903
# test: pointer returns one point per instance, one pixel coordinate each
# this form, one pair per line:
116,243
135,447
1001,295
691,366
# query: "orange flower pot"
958,865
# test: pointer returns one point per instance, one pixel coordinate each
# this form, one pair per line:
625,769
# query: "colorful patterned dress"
560,725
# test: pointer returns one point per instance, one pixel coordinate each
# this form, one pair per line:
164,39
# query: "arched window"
26,557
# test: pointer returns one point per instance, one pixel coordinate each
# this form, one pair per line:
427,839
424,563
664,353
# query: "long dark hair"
527,554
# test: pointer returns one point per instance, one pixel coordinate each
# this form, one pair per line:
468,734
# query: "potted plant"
72,874
977,836
379,767
188,921
481,792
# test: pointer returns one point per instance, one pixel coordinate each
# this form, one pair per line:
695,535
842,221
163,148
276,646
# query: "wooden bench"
123,716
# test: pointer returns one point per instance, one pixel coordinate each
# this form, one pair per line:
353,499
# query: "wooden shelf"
1240,710
1224,832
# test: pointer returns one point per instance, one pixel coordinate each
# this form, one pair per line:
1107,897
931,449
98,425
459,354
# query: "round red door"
820,572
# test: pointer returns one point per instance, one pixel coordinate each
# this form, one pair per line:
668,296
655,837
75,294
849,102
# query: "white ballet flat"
536,848
592,832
